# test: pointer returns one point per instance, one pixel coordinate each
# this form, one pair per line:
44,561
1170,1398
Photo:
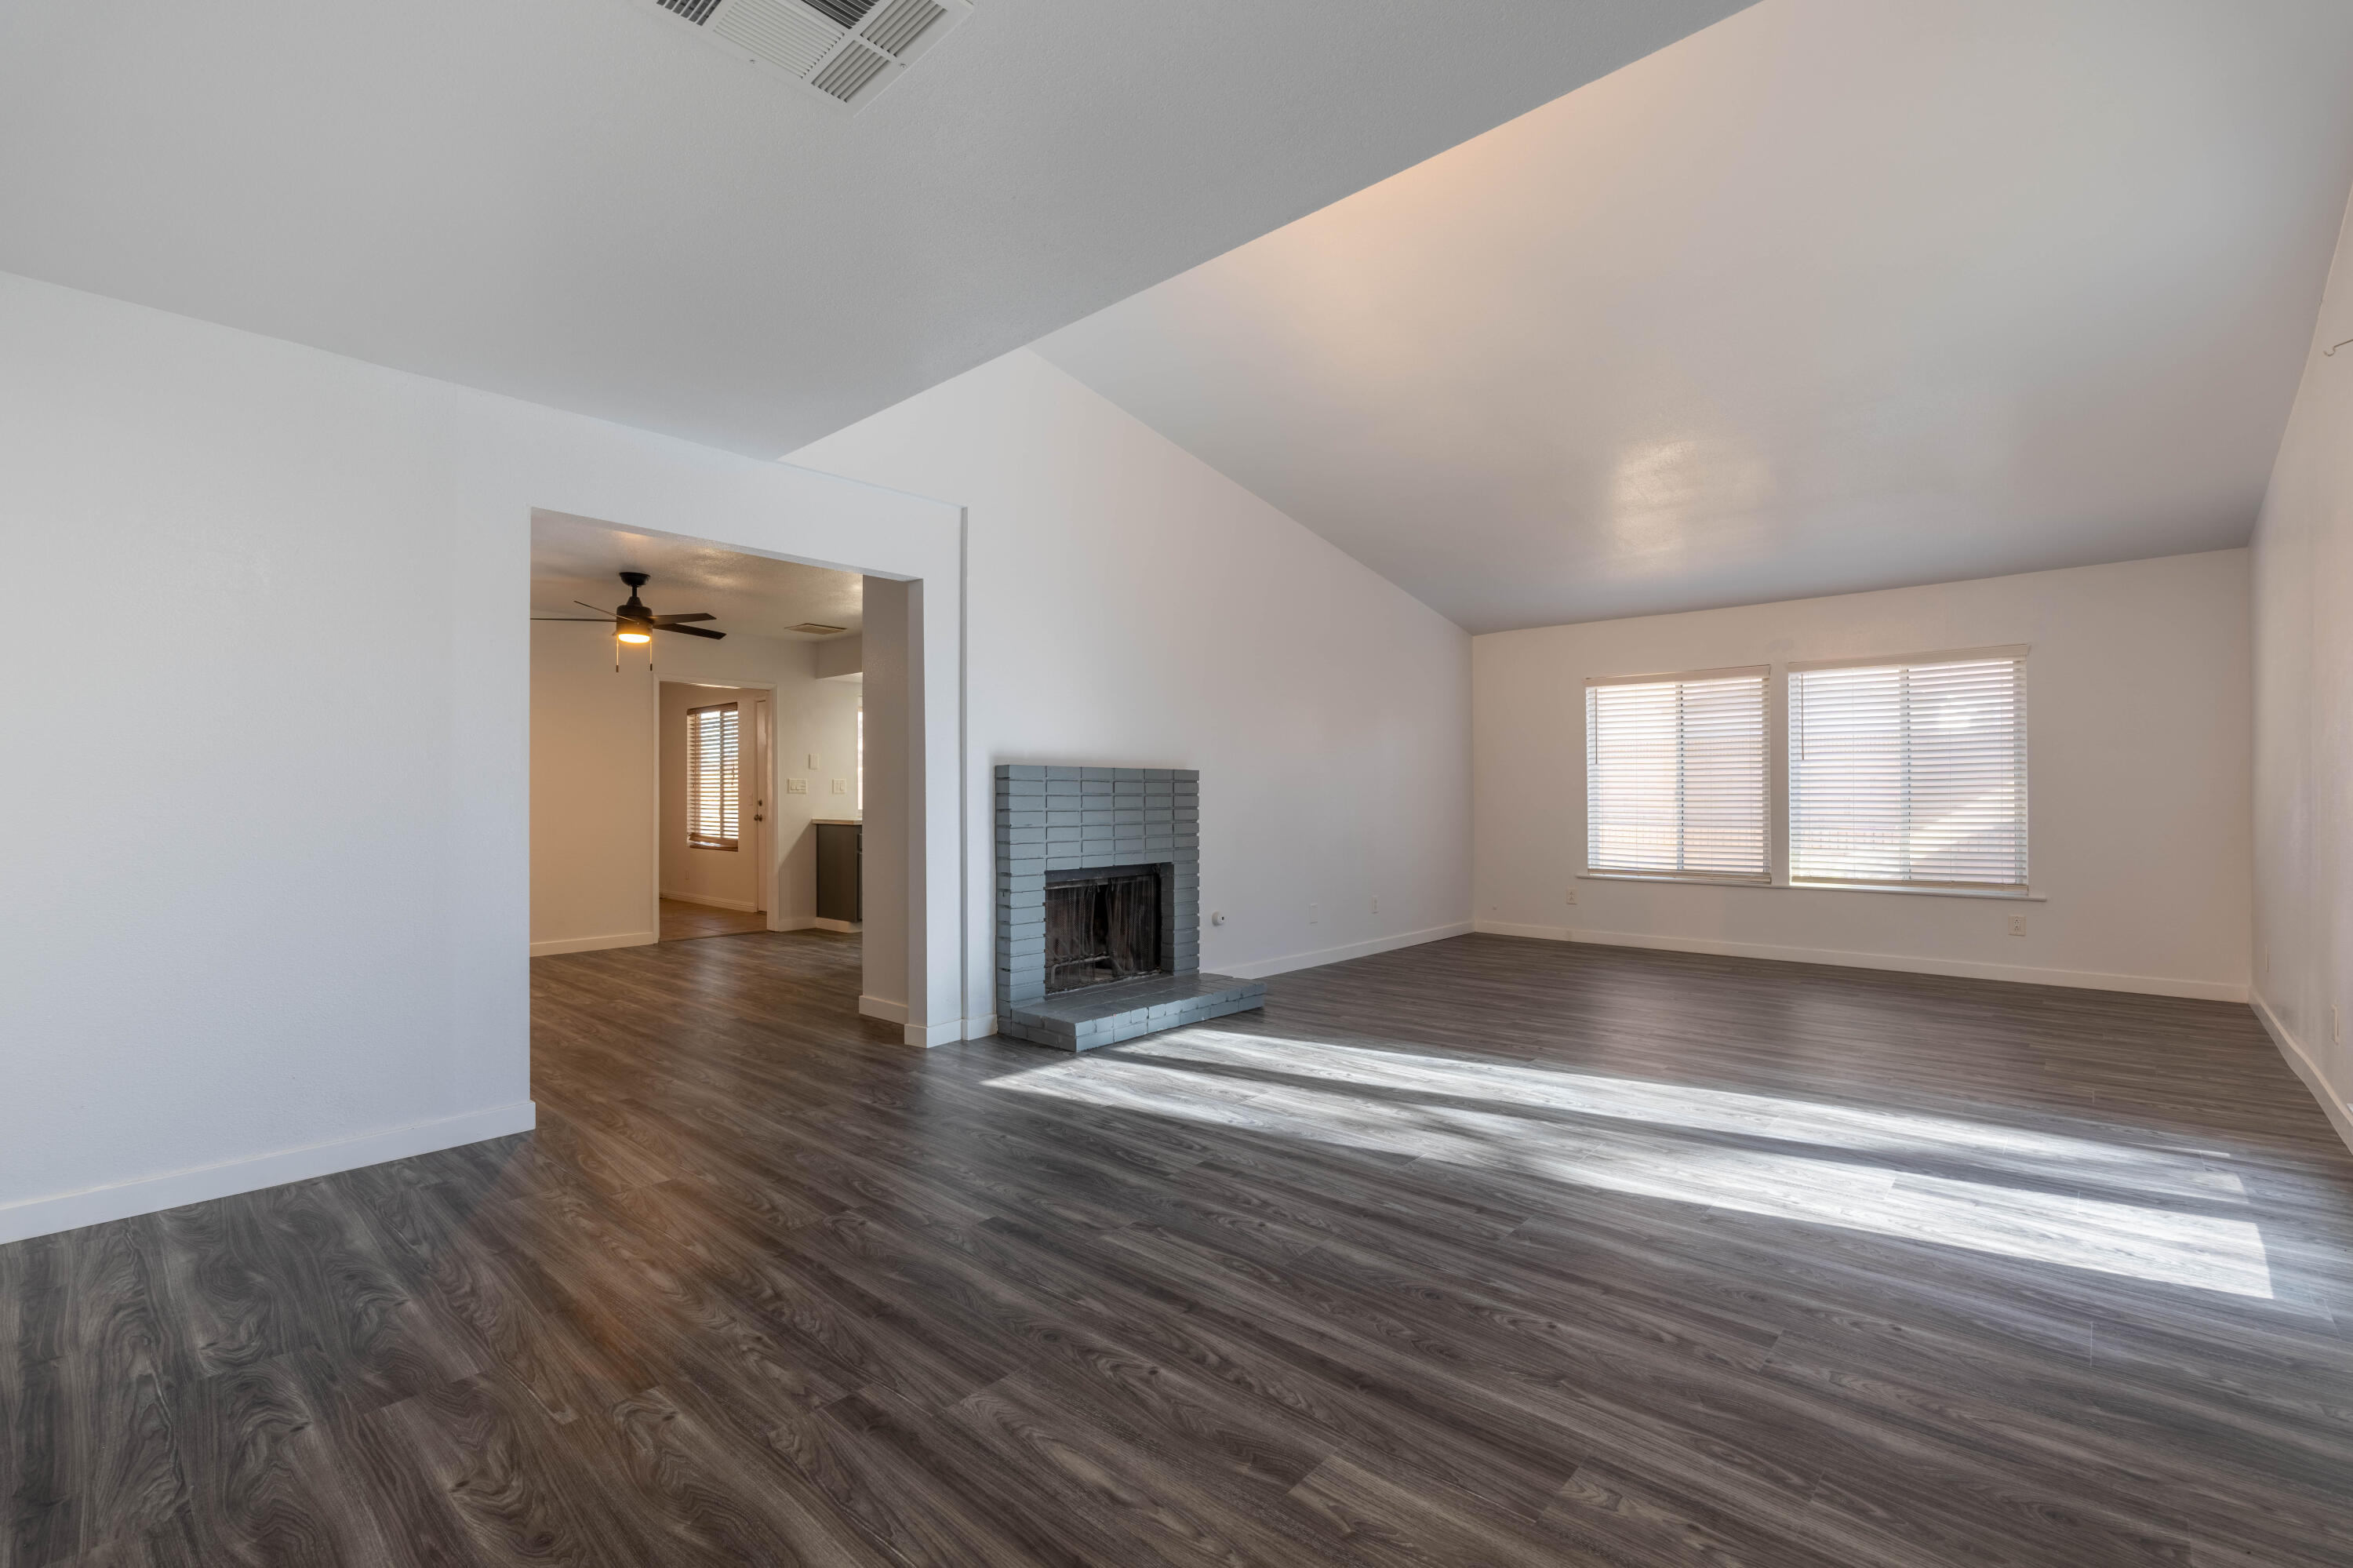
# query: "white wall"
2304,718
817,715
304,948
2138,746
1129,605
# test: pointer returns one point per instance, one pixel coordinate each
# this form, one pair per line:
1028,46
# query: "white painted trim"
2339,1114
1913,660
825,923
1728,673
1262,968
121,1200
2013,894
980,1028
743,906
2017,974
793,923
923,1034
592,943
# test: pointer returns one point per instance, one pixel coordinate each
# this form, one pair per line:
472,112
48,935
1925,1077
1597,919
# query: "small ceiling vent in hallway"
848,50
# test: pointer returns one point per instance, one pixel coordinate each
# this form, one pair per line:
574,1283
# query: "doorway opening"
715,744
695,748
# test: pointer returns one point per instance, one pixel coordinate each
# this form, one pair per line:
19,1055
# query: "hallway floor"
1490,1251
683,922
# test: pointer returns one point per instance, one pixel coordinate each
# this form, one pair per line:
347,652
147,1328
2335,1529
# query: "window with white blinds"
1910,774
1675,775
713,779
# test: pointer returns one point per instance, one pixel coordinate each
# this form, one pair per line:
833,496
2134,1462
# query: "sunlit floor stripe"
1708,1147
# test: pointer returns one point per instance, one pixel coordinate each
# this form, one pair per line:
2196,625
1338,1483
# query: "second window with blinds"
1910,774
1901,773
714,776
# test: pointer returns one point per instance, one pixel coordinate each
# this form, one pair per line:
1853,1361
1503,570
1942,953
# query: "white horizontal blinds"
1674,776
1909,774
713,796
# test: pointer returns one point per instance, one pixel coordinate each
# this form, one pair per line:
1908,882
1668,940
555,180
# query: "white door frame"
925,942
763,850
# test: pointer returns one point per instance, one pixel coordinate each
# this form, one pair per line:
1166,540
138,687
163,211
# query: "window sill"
1647,876
2005,894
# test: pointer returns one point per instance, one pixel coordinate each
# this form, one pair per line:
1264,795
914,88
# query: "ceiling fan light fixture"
632,633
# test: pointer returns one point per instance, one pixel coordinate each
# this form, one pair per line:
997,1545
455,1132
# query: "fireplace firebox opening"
1105,925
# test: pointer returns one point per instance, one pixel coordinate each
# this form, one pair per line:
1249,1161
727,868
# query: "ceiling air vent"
819,627
848,50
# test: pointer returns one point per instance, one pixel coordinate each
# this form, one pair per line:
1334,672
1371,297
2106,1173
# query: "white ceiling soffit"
580,558
1838,294
577,203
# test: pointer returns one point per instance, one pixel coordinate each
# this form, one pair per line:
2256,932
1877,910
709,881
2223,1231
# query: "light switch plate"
795,786
841,786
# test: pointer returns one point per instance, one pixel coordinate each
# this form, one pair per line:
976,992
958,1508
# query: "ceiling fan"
633,622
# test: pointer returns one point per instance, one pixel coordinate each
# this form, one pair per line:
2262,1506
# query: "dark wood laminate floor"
685,922
1489,1252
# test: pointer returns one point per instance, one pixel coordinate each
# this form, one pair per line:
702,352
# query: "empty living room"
984,783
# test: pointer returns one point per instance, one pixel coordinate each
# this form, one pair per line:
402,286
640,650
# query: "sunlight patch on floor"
1920,1177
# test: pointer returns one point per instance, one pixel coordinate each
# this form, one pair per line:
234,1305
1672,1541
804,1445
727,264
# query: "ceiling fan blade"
578,620
674,620
599,609
690,630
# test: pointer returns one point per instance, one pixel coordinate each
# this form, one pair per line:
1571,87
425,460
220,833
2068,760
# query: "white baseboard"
924,1035
119,1201
1262,968
845,927
741,905
792,923
980,1028
592,943
2340,1115
2020,974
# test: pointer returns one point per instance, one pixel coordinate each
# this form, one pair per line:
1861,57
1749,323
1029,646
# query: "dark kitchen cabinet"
841,866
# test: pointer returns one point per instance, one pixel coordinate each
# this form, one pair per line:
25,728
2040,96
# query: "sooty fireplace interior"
1098,906
1104,926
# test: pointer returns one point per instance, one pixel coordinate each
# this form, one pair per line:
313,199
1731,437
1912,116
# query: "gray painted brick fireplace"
1056,823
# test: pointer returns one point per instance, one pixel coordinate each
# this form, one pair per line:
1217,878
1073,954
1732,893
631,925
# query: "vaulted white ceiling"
578,203
1836,294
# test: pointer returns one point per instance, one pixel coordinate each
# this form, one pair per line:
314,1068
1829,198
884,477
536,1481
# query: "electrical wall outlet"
2018,924
1377,902
841,786
795,786
1572,896
2336,1024
1314,913
813,763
